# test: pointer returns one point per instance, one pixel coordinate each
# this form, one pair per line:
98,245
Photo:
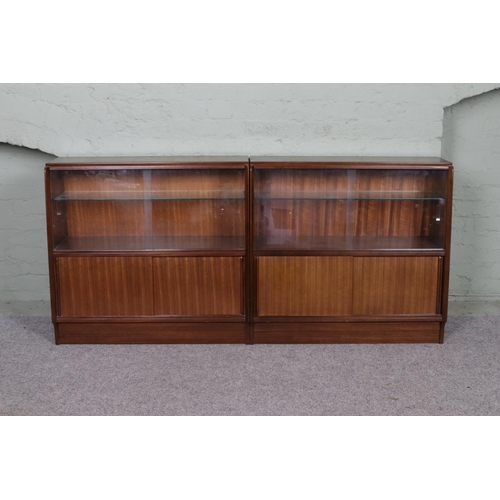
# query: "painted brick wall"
147,119
83,119
472,142
23,245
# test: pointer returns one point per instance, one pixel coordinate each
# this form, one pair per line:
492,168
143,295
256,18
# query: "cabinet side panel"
304,286
395,285
105,286
198,286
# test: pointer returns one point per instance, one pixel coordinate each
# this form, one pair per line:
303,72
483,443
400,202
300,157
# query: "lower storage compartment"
198,286
138,286
347,333
304,286
151,333
99,286
344,286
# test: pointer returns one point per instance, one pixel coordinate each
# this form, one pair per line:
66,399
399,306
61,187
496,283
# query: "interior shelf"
153,243
344,195
219,194
346,243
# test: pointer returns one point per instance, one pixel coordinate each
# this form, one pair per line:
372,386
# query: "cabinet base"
347,333
151,333
240,333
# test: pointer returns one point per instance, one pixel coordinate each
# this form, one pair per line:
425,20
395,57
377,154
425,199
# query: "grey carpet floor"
460,377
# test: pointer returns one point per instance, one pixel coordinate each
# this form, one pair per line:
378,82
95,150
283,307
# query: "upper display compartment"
188,207
349,209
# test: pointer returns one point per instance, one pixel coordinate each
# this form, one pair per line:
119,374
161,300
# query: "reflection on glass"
322,209
148,209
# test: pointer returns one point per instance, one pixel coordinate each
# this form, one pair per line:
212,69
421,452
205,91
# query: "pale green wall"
471,140
23,247
388,119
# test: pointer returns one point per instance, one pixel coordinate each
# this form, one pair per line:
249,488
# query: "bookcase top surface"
356,160
145,160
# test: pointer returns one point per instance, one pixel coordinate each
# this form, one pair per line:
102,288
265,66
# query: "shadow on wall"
23,245
471,140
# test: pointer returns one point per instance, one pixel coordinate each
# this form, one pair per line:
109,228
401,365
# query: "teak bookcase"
271,250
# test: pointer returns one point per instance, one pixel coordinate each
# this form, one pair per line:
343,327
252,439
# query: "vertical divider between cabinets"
350,215
148,226
250,284
148,209
350,226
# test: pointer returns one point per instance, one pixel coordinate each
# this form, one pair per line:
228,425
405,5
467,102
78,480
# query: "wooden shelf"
151,195
346,243
153,243
346,196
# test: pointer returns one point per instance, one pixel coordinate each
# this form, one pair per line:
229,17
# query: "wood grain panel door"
304,286
198,286
395,285
105,286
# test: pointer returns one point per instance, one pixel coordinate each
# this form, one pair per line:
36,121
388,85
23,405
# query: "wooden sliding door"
198,286
304,286
105,286
396,285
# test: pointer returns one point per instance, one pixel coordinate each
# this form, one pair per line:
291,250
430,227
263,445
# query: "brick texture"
248,119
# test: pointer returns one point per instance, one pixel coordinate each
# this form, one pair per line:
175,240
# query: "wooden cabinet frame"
259,250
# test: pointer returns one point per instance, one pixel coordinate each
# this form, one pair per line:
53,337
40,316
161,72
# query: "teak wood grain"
260,250
395,285
283,219
406,180
105,286
350,161
392,218
400,218
346,333
304,286
306,180
198,286
198,218
149,162
105,218
152,333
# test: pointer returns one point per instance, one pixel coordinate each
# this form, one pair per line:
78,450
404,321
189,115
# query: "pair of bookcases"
259,250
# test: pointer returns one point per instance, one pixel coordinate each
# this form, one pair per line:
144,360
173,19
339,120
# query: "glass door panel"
198,209
143,209
300,209
100,210
349,210
398,209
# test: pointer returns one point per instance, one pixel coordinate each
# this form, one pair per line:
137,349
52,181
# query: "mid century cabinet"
271,250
